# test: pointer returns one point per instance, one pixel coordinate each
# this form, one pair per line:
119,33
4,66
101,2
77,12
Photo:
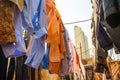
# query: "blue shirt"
34,20
18,48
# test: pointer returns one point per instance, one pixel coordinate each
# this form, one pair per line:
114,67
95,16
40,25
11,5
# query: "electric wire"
77,22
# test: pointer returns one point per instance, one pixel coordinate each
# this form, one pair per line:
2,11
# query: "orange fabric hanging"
55,36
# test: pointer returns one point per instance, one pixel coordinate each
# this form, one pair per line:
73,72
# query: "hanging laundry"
112,12
111,35
34,20
71,56
45,60
78,66
45,75
104,40
57,53
55,37
19,3
64,68
17,48
29,45
103,37
7,31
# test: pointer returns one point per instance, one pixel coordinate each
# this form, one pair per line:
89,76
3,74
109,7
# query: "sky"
76,10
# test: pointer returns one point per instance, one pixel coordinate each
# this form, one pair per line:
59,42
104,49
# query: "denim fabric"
17,48
45,60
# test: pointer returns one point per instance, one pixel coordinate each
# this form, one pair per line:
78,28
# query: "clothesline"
77,22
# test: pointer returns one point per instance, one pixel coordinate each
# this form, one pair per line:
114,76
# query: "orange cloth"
55,36
54,67
46,76
53,77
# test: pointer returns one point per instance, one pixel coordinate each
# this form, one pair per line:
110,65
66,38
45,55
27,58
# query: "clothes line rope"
77,22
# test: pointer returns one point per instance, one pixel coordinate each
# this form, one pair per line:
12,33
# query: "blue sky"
76,10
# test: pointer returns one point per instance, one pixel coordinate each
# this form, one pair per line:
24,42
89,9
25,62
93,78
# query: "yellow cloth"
46,76
19,3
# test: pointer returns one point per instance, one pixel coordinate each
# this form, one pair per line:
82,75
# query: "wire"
77,22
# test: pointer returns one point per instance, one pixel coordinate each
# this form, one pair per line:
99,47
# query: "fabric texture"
17,48
64,68
55,37
103,39
7,31
19,3
34,20
36,53
71,56
112,12
45,60
112,32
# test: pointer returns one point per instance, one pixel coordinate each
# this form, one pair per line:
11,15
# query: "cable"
77,22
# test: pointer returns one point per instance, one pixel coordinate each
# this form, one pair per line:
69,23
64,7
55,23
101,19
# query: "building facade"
81,43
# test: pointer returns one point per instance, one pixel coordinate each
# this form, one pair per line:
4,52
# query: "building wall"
81,43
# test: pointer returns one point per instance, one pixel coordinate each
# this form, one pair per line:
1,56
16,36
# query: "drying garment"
7,31
55,36
104,40
71,56
36,53
18,48
45,60
45,75
64,68
57,52
19,3
112,12
34,17
34,20
103,37
114,35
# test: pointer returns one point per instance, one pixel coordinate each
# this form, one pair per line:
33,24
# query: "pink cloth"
71,56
